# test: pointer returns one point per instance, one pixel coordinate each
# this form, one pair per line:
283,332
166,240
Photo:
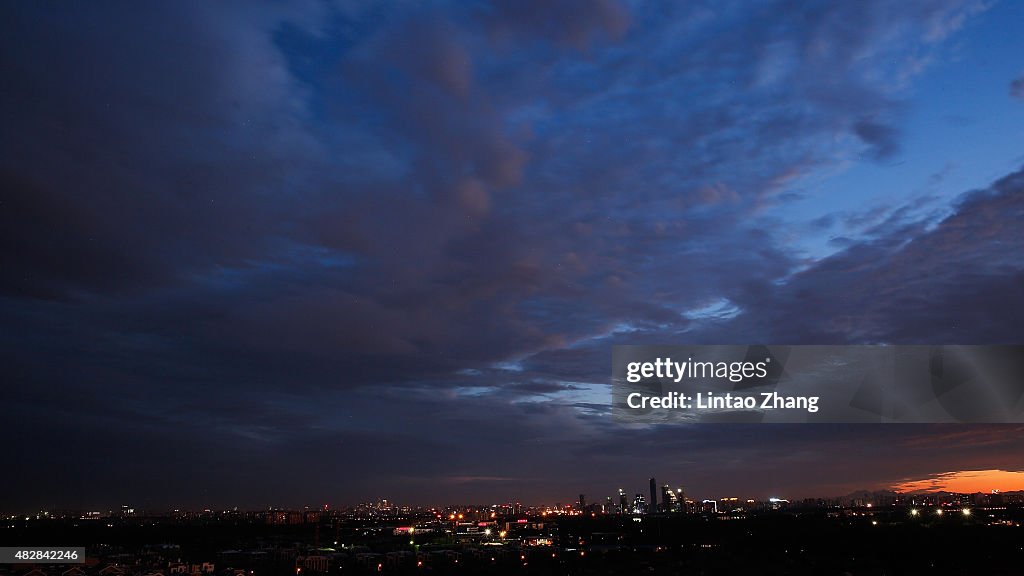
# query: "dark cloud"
959,282
1017,88
573,22
148,143
882,140
305,237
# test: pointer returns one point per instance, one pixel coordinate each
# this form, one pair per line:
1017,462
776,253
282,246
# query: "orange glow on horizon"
966,481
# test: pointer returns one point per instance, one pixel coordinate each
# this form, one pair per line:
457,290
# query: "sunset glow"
966,481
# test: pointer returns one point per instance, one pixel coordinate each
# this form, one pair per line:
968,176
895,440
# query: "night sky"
258,254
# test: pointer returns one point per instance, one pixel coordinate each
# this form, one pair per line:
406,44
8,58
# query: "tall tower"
668,499
623,505
653,507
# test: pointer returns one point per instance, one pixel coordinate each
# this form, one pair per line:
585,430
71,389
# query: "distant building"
313,563
639,504
669,502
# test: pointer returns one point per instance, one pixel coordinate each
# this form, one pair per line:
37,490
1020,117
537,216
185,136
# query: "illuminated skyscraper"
669,502
639,504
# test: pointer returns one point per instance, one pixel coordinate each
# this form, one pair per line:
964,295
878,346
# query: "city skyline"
290,253
976,482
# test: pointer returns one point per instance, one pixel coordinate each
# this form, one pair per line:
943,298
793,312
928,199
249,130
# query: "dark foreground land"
878,543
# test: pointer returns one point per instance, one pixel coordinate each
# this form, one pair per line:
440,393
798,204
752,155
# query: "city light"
485,533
